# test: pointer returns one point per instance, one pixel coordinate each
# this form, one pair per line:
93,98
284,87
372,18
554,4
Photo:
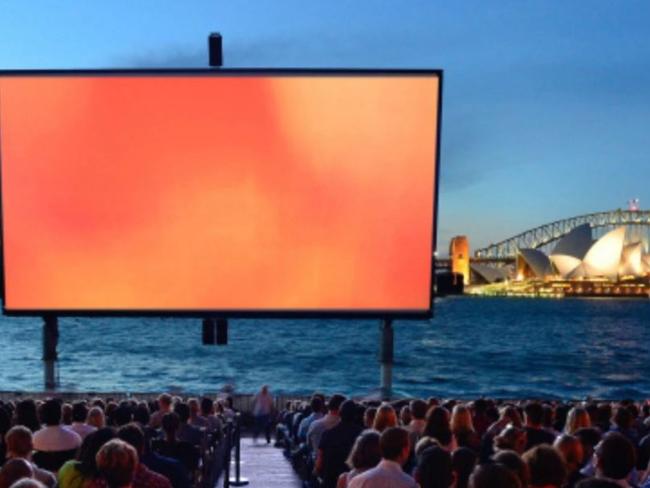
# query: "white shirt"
54,438
387,474
81,429
317,428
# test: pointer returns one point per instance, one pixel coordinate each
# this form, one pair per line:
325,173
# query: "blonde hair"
461,419
577,418
116,461
96,418
384,418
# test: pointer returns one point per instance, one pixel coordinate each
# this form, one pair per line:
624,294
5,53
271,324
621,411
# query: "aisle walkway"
265,466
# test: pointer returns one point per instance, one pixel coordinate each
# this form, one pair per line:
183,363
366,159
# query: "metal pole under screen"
50,356
386,358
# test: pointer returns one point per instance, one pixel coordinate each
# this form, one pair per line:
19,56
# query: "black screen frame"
391,314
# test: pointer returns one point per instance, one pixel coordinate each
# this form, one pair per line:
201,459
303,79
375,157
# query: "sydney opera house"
577,257
615,264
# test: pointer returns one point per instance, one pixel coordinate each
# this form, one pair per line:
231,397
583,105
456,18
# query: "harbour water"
504,347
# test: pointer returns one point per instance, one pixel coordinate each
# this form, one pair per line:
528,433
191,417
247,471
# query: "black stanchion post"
238,480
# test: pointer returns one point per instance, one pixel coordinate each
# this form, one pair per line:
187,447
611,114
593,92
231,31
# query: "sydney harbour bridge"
545,236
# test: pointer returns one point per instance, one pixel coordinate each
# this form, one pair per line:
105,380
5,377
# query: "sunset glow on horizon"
192,193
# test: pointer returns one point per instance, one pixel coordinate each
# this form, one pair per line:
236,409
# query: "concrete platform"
264,466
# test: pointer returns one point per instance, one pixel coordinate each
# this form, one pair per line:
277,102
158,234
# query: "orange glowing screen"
198,192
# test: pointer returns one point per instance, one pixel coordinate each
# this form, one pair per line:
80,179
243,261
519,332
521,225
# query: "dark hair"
493,475
434,469
616,456
51,412
183,411
26,414
5,421
463,461
348,411
170,423
14,470
589,436
365,453
79,411
316,403
335,402
122,415
141,414
545,465
534,413
418,409
392,442
437,425
133,435
90,446
623,418
206,405
512,461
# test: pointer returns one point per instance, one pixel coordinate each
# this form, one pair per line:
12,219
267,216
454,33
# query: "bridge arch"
545,235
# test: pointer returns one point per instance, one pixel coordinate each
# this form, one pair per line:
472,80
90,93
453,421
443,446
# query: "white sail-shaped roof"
488,273
631,261
604,256
565,264
646,263
576,243
537,261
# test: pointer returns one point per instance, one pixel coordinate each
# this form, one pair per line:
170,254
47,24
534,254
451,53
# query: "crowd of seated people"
339,443
101,443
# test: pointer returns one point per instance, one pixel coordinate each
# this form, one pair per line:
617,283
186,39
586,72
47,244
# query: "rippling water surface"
493,346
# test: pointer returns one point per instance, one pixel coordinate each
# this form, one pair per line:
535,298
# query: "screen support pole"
50,356
386,358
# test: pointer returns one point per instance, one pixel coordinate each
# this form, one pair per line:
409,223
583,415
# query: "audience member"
493,475
512,439
20,445
76,473
133,435
394,447
96,418
577,418
570,448
365,454
26,414
316,403
463,461
385,418
546,467
117,462
56,443
535,432
336,444
463,429
187,432
437,426
14,470
319,426
434,468
615,458
79,416
164,407
514,462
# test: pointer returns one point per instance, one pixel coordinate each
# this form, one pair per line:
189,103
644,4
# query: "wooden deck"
264,466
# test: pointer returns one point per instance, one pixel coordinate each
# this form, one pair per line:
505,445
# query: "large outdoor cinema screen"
243,192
